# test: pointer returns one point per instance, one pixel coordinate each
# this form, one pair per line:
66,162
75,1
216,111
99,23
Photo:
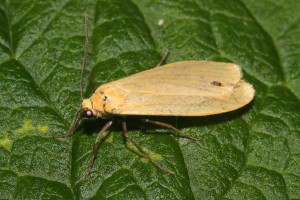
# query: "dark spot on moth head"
101,92
216,83
88,113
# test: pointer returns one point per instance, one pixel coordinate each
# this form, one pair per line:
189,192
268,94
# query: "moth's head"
88,110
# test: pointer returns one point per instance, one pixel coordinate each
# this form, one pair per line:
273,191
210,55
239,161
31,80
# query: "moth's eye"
88,114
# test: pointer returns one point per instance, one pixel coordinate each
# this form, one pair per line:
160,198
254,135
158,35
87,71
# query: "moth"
186,88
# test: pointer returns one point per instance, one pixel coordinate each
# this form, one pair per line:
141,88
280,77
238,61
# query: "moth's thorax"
107,100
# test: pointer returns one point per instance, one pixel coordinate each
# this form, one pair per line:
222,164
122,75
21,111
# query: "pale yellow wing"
188,88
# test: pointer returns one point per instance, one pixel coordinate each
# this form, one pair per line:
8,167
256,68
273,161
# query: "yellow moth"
186,88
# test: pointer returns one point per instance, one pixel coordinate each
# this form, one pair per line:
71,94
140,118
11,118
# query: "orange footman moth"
186,88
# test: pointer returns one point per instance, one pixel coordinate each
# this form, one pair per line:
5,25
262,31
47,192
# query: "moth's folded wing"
188,88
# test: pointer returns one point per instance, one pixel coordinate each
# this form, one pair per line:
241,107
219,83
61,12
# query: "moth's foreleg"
95,148
77,121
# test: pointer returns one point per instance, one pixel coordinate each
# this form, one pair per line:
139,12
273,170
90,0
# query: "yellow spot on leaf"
5,142
27,127
43,129
108,136
152,155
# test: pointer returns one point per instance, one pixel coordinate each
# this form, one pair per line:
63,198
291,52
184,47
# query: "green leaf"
251,153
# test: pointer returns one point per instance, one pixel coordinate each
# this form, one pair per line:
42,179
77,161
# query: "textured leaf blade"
251,153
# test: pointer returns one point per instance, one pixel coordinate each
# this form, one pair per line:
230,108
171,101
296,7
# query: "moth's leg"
167,126
143,152
77,121
92,81
68,134
104,128
163,58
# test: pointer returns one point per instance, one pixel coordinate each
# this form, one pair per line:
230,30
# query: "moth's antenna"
86,50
